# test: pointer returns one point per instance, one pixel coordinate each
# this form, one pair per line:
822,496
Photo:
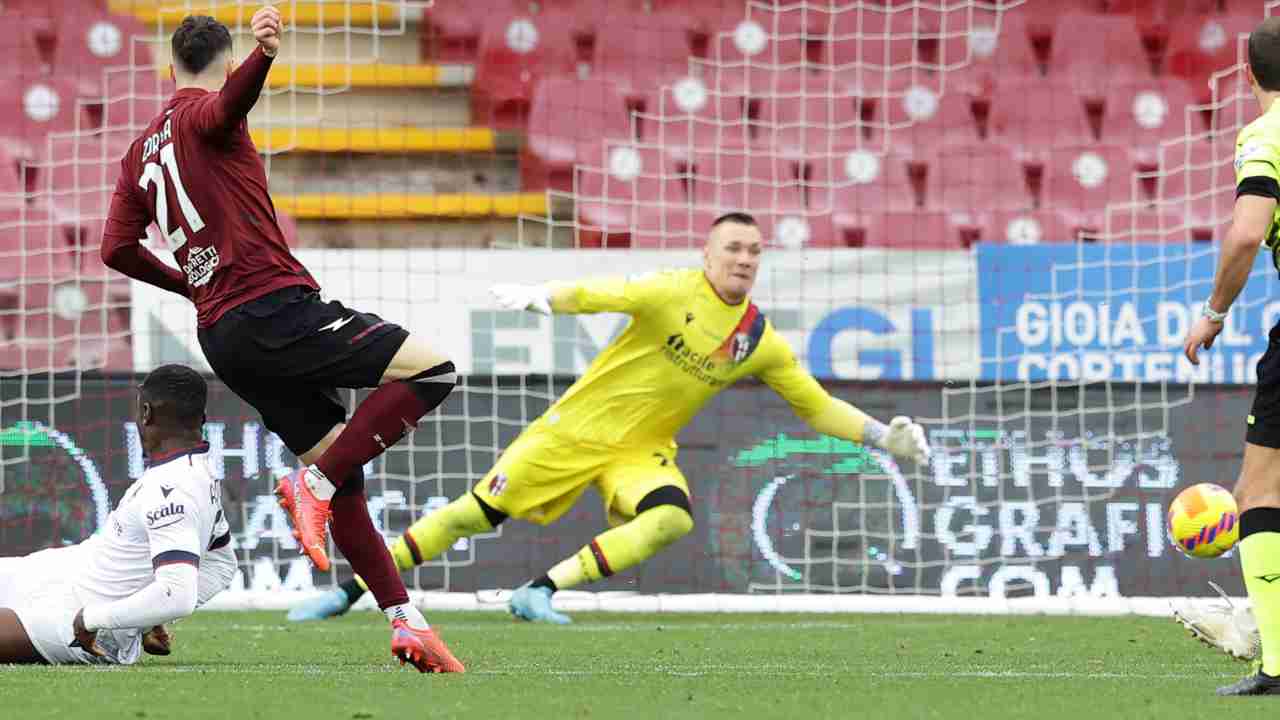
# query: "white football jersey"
173,513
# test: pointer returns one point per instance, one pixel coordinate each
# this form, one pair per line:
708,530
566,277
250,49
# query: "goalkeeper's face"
731,259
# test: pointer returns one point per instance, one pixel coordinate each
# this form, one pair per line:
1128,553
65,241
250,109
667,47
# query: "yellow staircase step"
408,207
374,140
368,76
296,12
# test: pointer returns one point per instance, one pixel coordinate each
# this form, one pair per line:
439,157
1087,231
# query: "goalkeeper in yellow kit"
692,333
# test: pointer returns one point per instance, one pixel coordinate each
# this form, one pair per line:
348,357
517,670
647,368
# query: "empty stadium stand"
892,124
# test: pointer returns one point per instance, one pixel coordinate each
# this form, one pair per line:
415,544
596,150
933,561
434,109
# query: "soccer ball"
1204,521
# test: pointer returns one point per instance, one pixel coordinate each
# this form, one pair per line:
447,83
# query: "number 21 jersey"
196,174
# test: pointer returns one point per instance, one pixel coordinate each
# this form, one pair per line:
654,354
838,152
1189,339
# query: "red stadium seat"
451,32
641,50
1027,227
764,37
27,41
1005,43
806,117
1038,115
1101,46
1200,176
756,51
567,122
795,231
32,249
134,97
673,228
956,117
1153,10
883,37
31,109
12,189
751,181
1137,224
56,10
927,230
686,117
1084,179
632,190
513,56
1143,114
88,43
859,183
979,176
706,16
76,174
857,229
72,325
1200,45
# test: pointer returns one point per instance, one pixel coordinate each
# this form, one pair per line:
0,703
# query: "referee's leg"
1257,493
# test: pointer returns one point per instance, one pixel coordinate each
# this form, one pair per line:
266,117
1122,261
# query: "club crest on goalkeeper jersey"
683,345
1258,156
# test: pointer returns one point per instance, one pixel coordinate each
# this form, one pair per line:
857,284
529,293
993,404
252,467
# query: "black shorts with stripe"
1264,416
287,353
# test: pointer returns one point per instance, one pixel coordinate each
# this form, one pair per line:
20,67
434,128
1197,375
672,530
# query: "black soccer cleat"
1258,683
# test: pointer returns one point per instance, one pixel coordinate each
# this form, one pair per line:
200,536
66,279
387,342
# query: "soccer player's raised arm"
832,416
221,112
127,222
631,295
175,542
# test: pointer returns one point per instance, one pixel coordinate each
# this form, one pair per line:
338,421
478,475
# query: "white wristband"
1213,315
873,432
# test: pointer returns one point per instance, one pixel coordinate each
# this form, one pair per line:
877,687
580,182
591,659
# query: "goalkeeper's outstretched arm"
631,295
832,416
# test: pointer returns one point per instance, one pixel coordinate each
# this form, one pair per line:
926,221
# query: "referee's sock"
1260,565
383,418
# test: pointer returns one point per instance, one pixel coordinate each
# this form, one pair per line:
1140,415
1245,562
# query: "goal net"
994,216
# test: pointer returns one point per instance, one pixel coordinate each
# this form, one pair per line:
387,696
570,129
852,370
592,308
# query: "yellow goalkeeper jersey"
1258,156
683,345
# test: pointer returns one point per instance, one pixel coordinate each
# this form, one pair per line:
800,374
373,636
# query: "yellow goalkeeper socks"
433,534
624,546
1260,565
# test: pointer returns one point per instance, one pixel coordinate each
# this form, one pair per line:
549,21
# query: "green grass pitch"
799,667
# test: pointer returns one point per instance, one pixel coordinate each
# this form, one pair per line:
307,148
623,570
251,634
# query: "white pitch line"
581,627
852,674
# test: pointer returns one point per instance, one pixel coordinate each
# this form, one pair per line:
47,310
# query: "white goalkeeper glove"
901,437
534,298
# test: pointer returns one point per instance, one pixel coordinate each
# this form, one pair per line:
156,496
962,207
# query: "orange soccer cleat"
423,649
309,516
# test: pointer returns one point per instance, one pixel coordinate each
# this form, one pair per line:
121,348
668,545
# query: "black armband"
1259,185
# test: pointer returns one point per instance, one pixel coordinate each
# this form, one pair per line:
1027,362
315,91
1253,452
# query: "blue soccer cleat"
534,604
330,604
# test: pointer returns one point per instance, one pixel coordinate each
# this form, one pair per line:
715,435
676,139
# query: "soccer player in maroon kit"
196,174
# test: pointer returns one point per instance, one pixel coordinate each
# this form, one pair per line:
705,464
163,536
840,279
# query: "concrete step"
363,108
417,173
436,233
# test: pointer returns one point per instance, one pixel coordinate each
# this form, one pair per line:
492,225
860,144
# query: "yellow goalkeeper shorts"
541,475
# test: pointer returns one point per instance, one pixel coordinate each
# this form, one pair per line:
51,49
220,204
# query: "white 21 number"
154,173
